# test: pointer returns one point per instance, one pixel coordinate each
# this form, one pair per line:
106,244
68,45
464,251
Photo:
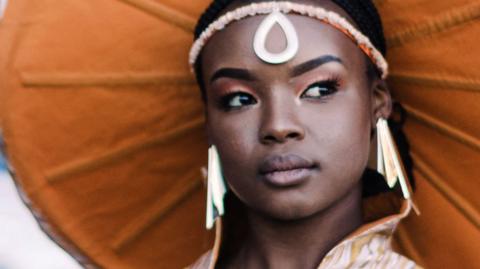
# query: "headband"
275,11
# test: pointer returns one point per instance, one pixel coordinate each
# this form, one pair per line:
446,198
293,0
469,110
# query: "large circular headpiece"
108,148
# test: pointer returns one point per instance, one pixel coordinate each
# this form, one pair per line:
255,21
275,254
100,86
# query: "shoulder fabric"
370,249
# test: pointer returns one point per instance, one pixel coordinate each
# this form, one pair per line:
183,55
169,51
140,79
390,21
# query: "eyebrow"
236,73
312,64
243,74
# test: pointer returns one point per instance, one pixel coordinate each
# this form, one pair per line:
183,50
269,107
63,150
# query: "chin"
291,209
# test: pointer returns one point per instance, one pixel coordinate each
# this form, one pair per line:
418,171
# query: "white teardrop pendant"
260,39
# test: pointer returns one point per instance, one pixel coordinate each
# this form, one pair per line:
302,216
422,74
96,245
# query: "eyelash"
331,85
225,101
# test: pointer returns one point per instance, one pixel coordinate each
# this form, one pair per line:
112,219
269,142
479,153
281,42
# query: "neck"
301,243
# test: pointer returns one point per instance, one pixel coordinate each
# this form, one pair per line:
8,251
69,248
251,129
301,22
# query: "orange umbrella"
103,126
435,71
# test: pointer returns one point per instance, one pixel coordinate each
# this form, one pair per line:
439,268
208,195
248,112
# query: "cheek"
349,136
235,136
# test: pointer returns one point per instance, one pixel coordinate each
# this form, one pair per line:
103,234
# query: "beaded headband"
275,10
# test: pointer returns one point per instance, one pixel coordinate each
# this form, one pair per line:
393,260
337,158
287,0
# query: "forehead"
233,46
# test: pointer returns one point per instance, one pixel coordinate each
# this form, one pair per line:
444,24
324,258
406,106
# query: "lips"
286,170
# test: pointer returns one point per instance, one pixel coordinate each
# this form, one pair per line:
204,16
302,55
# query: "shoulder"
365,258
390,259
203,262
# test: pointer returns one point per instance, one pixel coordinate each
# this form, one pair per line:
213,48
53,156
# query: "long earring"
389,163
216,188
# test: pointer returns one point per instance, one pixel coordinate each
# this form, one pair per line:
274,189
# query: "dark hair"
367,19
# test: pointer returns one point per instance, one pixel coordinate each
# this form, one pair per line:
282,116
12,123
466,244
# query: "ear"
208,131
208,128
381,100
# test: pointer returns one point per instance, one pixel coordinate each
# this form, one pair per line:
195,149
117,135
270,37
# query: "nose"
280,121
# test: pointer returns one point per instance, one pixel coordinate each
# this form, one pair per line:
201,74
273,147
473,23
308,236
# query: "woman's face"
293,138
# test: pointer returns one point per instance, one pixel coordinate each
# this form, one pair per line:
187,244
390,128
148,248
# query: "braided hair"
363,12
367,19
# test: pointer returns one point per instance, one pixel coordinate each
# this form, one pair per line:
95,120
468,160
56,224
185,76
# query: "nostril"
281,137
293,135
279,132
269,138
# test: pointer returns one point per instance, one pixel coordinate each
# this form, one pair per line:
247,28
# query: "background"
22,244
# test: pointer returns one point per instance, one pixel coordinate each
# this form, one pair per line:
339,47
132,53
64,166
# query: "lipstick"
286,170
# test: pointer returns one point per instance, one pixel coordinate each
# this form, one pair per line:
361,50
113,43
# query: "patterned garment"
367,247
370,247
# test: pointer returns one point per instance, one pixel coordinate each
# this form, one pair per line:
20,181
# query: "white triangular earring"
389,163
216,187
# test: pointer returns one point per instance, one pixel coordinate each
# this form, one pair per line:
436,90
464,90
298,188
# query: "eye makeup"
321,89
236,100
232,95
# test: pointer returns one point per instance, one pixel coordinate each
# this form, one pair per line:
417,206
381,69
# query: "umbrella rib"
32,79
164,13
445,82
437,24
86,164
464,206
406,243
444,128
172,198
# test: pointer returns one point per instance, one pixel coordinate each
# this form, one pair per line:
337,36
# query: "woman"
294,93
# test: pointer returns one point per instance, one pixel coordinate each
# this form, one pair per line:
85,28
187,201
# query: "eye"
321,89
237,100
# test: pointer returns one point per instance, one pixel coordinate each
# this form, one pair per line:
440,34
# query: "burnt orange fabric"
435,74
103,126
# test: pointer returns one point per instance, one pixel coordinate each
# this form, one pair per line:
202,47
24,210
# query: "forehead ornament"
260,39
275,12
